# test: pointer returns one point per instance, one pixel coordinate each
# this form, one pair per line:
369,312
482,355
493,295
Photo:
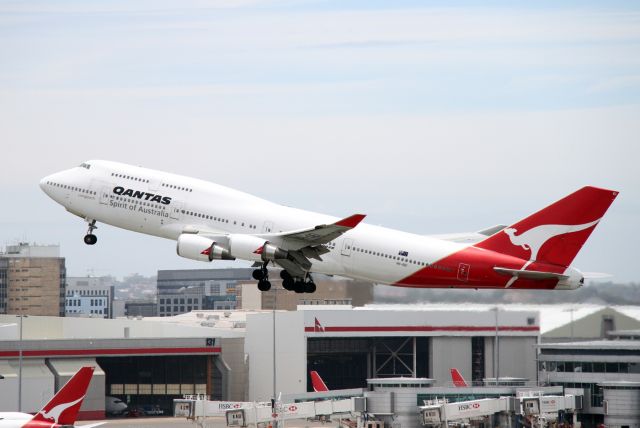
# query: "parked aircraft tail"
458,380
317,382
63,408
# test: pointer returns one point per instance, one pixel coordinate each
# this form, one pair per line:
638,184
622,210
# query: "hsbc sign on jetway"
475,408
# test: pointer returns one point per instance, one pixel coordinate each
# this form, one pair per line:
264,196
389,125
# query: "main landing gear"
90,238
298,285
290,283
262,275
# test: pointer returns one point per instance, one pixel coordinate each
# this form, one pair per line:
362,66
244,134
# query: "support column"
210,375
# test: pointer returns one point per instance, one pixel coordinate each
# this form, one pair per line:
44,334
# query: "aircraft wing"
310,237
301,245
309,243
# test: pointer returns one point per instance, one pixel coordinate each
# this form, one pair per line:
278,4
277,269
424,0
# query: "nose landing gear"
90,238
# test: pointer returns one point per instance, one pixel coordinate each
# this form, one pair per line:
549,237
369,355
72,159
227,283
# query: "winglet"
350,222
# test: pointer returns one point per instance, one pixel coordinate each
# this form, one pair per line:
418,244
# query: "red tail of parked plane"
458,380
317,382
63,408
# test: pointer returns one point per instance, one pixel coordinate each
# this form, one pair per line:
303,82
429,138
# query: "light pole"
275,394
496,350
20,366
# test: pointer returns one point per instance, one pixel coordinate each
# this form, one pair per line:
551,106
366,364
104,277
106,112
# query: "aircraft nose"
47,182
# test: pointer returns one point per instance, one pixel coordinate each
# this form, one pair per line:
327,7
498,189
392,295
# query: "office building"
181,291
89,297
32,280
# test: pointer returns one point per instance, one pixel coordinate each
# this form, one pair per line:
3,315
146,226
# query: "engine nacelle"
201,248
249,247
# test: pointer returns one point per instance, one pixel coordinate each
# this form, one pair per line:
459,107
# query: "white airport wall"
233,354
623,406
37,385
65,368
518,357
377,321
291,351
38,328
446,353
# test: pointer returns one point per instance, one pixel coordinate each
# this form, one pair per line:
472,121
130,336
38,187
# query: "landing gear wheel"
90,238
264,285
262,275
310,287
299,287
288,283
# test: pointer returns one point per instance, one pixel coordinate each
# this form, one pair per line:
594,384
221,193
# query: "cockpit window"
85,165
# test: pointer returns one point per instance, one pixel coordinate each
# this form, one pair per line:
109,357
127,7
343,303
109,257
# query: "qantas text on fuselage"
211,222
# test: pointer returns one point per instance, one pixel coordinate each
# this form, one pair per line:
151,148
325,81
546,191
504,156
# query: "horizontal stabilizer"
470,237
492,230
596,275
530,274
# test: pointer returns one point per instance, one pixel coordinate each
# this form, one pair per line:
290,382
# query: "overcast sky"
430,117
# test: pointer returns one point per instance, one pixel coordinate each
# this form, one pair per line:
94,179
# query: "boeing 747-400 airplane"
212,222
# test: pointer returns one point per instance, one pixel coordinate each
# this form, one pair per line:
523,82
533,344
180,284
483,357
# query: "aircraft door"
267,227
174,211
345,259
346,247
104,195
154,185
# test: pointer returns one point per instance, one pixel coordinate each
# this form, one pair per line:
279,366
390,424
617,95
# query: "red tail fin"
63,408
556,233
456,377
317,382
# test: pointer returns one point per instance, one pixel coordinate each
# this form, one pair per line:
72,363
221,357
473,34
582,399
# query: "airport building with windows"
182,291
89,297
229,355
32,280
598,368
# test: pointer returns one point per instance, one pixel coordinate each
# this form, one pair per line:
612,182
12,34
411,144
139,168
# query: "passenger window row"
210,217
388,256
171,186
129,177
74,188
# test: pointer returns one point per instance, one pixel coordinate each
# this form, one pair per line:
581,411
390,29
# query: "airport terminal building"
229,355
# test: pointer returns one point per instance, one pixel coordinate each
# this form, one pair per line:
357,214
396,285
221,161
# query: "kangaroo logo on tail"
56,412
534,238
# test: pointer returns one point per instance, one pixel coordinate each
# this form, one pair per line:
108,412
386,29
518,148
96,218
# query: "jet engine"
201,248
249,247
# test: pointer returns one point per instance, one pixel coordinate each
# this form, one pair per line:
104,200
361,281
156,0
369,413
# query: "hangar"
350,345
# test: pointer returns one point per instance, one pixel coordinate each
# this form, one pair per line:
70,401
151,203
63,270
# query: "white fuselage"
167,205
14,419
